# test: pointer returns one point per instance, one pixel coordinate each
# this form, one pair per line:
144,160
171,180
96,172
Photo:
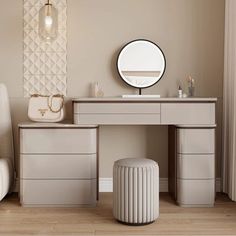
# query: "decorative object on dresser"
46,108
58,164
96,90
141,64
191,86
180,92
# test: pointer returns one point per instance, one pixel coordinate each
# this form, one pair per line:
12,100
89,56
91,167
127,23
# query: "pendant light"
48,22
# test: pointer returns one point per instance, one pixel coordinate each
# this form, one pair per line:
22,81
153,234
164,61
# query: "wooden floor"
15,220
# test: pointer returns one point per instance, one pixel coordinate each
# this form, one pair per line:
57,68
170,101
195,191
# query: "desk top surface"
162,99
62,125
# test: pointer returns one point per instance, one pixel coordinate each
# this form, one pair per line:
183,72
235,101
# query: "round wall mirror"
141,63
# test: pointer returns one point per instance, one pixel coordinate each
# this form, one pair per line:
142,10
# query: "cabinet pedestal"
192,165
58,165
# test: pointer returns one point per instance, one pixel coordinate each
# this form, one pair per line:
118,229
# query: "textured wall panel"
45,65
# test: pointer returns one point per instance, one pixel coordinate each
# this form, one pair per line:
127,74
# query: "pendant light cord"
48,3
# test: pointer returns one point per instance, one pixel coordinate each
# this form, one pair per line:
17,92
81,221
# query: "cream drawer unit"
188,113
78,166
58,140
117,108
44,192
58,164
135,113
197,192
190,166
195,140
144,111
117,119
195,165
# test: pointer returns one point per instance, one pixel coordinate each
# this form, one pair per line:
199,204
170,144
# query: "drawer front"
58,166
188,113
199,141
58,141
196,166
117,119
116,108
196,192
58,192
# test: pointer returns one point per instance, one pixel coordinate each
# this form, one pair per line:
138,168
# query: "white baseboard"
105,185
218,185
16,186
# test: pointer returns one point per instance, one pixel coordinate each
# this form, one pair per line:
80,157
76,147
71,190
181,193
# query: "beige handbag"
46,108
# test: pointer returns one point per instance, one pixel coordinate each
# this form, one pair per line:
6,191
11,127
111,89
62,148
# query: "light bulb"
48,21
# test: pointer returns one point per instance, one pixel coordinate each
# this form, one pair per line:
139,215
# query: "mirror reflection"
141,63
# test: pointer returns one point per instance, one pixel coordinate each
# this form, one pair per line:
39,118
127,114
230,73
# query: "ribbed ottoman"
136,191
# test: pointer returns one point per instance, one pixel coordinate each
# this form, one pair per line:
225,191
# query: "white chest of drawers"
195,159
58,165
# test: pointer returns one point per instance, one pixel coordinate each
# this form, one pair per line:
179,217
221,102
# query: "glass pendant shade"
48,23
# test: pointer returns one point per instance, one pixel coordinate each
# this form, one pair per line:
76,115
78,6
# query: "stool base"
135,224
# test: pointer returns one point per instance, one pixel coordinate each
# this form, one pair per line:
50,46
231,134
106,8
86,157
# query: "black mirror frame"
136,41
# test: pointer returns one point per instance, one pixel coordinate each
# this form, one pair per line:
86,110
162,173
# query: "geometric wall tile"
45,64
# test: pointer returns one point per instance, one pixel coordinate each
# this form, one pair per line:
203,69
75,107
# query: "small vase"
94,89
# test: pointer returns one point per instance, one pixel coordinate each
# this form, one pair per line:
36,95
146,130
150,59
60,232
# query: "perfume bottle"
180,92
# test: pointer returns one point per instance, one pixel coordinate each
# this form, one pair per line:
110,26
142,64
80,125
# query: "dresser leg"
172,169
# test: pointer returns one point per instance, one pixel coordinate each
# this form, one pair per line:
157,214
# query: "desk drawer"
58,166
58,192
188,113
196,192
196,166
58,141
117,119
199,141
116,108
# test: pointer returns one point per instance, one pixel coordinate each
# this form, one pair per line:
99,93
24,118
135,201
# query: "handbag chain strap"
50,101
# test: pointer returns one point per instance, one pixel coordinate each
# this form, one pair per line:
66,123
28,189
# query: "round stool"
136,191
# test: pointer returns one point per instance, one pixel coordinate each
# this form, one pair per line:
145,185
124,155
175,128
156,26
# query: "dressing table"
59,163
191,124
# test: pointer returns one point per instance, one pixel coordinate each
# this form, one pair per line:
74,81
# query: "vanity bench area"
192,123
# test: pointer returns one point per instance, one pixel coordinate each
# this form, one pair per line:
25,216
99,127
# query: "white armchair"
6,177
6,144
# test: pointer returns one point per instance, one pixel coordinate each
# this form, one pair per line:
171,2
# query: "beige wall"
190,32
